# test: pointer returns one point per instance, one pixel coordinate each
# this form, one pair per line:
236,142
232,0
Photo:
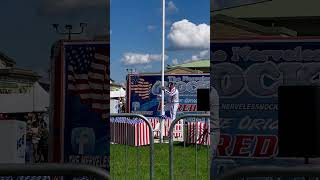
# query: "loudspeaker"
203,100
299,121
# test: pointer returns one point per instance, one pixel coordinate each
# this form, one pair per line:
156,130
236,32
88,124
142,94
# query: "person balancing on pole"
173,103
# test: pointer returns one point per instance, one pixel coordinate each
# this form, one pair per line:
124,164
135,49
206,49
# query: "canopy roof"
275,8
35,101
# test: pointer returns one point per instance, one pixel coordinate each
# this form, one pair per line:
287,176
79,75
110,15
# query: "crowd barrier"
132,130
197,130
18,171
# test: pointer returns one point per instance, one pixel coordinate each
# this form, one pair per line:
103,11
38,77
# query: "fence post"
150,135
174,122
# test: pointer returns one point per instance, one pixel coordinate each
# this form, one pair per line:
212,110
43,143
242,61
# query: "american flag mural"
133,132
142,88
88,76
198,132
85,91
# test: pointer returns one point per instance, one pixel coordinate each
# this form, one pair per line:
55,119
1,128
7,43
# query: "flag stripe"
90,92
84,81
87,78
98,71
98,66
90,86
98,76
100,57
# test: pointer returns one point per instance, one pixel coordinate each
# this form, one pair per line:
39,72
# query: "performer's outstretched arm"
171,93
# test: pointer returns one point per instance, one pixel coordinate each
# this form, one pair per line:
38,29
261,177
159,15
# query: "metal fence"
195,134
127,132
54,170
272,172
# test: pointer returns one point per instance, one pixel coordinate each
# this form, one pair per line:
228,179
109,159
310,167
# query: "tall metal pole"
163,56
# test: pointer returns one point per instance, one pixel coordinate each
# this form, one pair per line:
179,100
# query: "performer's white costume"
172,105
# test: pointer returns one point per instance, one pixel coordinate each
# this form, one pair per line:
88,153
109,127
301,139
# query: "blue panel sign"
247,74
144,89
86,131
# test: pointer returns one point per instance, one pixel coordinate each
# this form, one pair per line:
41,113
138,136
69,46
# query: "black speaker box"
299,121
203,100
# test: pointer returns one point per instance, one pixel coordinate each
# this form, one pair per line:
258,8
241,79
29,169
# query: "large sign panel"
143,90
247,74
86,100
81,98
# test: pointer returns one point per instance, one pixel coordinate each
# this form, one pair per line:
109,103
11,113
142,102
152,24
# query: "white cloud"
147,66
202,55
138,58
175,61
151,28
187,35
172,7
141,69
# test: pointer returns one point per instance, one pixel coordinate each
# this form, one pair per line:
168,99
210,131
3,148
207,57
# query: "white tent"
114,106
118,94
35,101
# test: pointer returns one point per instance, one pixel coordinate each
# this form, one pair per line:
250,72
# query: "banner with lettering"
86,128
247,74
15,87
144,88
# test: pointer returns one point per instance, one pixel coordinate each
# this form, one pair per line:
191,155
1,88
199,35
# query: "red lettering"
241,146
266,146
193,107
224,143
185,107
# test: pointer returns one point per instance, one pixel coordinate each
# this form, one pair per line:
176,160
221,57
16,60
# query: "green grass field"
137,166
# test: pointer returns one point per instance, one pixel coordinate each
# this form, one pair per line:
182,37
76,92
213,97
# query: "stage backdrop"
247,75
144,88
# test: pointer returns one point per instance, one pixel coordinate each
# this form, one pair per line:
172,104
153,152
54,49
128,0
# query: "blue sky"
136,34
26,33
